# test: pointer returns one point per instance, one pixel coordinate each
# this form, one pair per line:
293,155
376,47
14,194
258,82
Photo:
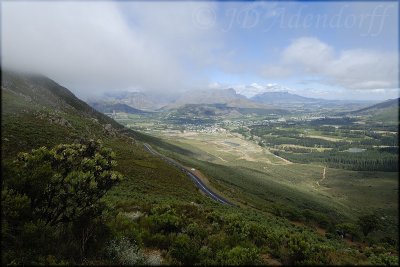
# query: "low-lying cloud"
106,45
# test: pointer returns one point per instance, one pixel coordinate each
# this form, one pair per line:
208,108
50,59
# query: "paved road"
193,176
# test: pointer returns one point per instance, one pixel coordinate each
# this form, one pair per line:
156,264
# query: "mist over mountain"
282,97
253,89
151,101
113,108
214,96
138,100
168,100
31,93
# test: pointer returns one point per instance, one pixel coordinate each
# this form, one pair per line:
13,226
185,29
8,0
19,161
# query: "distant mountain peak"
281,97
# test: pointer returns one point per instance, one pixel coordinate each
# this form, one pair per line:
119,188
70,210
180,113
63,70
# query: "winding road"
192,176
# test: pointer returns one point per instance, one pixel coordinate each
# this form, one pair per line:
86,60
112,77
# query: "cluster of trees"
192,121
370,160
373,159
371,127
333,121
383,140
371,136
302,141
295,149
365,225
51,208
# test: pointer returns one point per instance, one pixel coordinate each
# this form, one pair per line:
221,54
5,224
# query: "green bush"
368,223
385,259
51,203
237,229
239,256
184,250
196,232
349,229
121,226
164,219
64,182
303,249
217,241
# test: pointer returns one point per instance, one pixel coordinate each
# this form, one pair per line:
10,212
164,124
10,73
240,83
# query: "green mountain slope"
35,92
37,112
105,107
156,207
387,111
386,104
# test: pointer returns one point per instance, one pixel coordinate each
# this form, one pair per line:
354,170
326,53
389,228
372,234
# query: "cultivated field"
252,175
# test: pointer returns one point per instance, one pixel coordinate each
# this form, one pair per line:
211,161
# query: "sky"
332,50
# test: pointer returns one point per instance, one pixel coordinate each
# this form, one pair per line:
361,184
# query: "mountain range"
106,107
215,96
139,100
229,97
282,97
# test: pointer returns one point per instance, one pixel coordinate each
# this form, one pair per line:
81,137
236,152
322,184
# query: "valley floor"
261,178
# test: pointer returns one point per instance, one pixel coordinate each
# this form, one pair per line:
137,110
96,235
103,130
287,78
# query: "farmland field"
319,174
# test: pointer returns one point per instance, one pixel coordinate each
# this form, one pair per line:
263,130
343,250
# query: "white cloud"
107,45
216,85
350,69
363,69
308,52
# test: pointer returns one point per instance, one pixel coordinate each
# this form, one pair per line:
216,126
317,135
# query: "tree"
64,182
368,223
